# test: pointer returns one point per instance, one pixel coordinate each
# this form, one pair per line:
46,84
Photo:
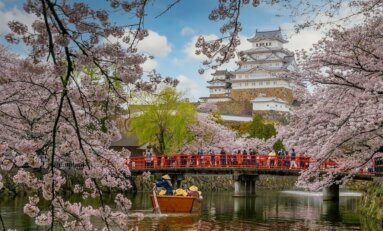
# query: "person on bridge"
166,184
200,160
271,159
293,163
212,157
223,157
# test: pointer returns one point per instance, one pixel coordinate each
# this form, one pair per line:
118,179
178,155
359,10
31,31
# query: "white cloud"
190,87
155,44
303,40
309,36
207,74
187,31
149,65
14,14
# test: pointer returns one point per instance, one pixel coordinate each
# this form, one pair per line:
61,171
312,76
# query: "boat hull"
177,204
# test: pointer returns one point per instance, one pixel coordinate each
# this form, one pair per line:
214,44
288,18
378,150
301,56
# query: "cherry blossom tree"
341,119
56,107
213,136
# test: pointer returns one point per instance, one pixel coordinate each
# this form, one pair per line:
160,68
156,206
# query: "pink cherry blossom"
341,119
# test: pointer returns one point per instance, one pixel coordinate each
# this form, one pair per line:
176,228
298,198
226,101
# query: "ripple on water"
319,194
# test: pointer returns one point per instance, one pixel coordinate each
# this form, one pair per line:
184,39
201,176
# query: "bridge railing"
219,161
227,161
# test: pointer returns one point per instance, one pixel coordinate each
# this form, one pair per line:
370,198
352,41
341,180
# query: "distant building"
219,87
263,103
256,80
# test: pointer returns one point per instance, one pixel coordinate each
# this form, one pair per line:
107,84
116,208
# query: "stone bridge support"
244,184
331,193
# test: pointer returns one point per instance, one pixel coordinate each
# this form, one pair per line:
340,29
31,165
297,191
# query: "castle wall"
249,94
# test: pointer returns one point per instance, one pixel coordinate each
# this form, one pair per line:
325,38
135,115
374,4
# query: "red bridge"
225,162
244,169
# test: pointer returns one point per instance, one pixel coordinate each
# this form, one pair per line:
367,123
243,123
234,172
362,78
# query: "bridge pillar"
239,188
331,193
244,184
251,186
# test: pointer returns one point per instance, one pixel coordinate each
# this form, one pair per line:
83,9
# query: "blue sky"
172,36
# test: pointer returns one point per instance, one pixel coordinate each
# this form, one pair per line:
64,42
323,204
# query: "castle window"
246,84
260,83
240,84
275,83
253,83
267,83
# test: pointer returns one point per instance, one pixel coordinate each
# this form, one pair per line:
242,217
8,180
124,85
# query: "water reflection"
270,210
330,211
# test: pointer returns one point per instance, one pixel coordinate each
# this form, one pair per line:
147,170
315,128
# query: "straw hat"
193,188
180,192
162,192
166,177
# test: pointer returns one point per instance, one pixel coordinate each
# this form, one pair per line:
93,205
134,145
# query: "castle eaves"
268,35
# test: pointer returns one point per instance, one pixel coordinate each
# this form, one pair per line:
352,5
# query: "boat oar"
156,205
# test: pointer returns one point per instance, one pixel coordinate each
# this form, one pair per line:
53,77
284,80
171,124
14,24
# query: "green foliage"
217,117
164,122
372,202
257,128
278,145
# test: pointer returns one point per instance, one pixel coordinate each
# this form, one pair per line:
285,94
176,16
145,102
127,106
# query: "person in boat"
193,192
180,192
166,184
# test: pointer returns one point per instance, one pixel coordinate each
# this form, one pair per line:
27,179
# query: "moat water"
269,210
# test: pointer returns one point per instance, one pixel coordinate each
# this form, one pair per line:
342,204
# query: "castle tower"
256,77
219,87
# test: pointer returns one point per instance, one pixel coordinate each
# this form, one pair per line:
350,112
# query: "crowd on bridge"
245,157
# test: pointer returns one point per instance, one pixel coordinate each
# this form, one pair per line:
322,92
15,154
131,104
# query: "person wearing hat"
166,184
193,191
181,192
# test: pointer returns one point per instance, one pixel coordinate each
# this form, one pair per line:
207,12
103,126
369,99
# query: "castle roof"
262,98
221,76
270,35
221,72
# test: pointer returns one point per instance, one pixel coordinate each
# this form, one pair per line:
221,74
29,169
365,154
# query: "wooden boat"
177,204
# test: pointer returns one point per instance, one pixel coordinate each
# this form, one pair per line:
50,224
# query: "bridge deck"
229,163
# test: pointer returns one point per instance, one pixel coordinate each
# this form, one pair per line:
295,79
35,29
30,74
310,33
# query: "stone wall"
217,95
216,183
235,107
250,94
276,116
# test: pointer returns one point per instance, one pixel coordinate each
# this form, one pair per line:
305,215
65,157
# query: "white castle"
256,79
